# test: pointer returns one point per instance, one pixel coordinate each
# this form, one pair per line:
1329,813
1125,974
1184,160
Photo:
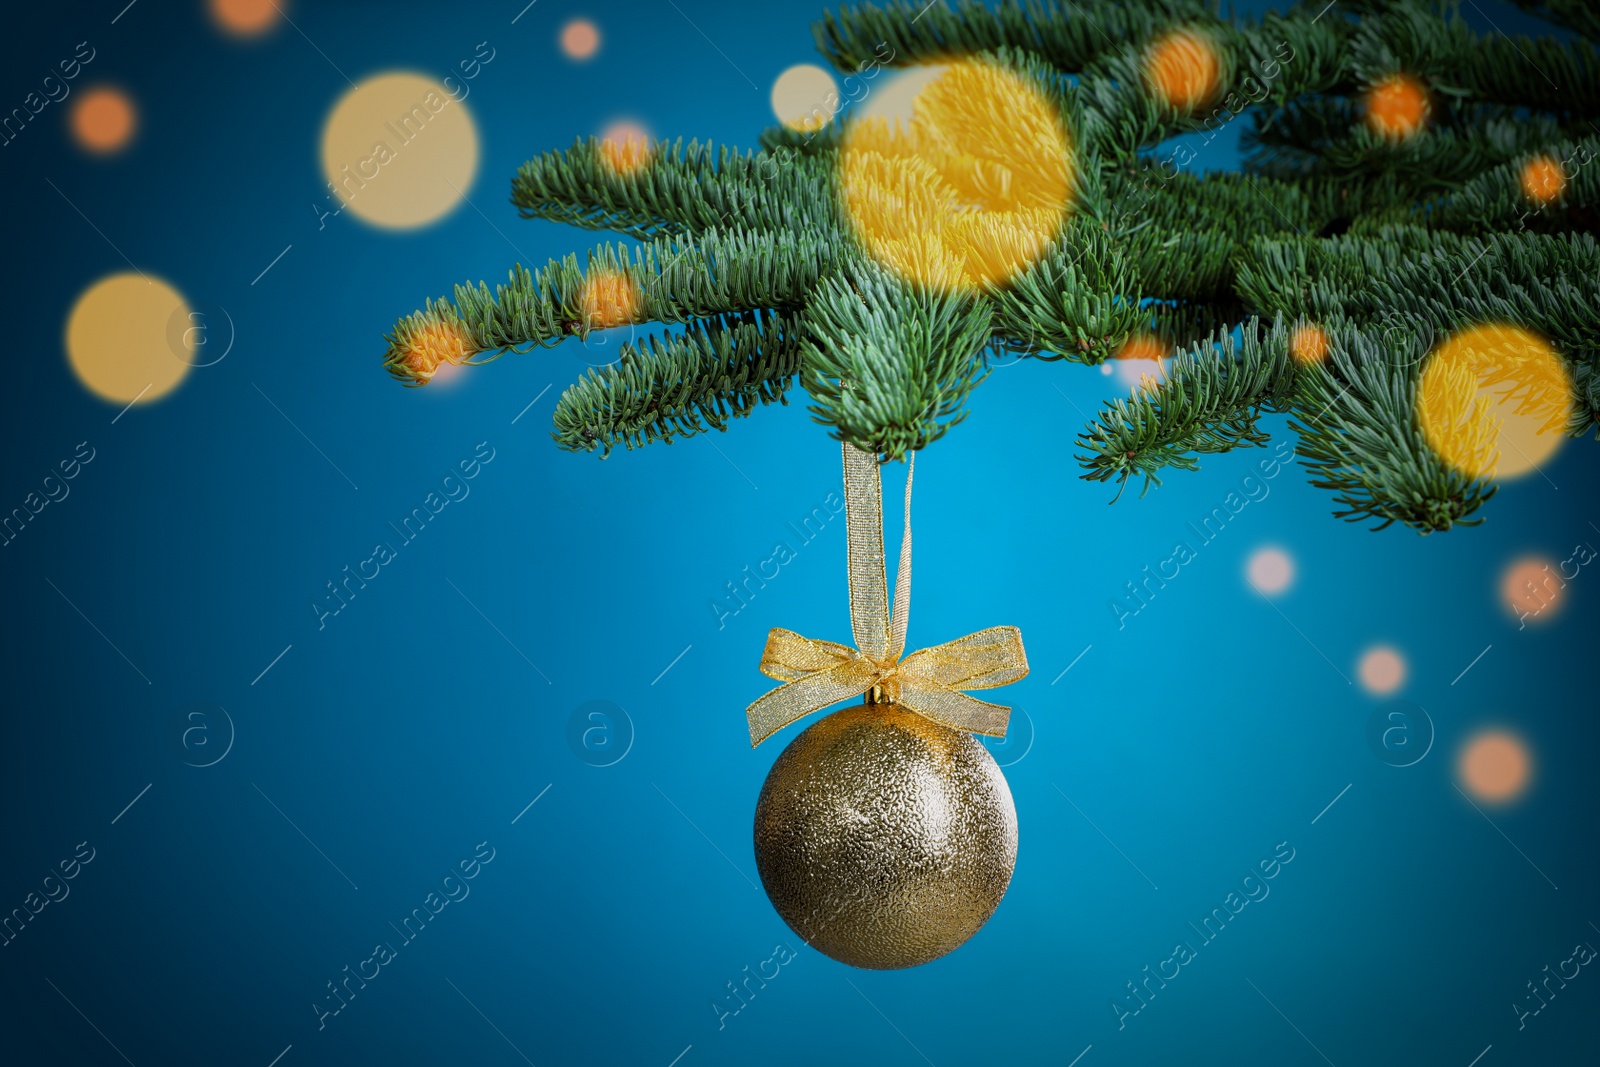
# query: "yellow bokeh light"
1495,766
434,346
893,94
104,120
580,39
1270,570
1308,344
247,18
1381,670
121,342
1543,180
1183,69
625,146
399,150
1397,107
1494,401
610,298
1531,590
972,190
805,97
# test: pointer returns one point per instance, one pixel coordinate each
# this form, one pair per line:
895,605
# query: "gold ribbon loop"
983,660
869,600
819,673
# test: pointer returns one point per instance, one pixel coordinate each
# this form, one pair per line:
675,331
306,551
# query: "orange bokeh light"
1543,180
625,146
246,18
1382,671
1495,766
1142,346
104,120
436,346
610,298
580,39
1308,344
1397,107
445,374
1531,589
1183,68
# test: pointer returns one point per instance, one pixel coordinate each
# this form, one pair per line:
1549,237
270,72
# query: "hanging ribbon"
928,682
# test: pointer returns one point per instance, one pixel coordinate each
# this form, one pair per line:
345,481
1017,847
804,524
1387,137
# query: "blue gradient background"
1212,727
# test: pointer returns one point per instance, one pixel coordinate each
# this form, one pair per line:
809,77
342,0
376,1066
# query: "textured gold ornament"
883,838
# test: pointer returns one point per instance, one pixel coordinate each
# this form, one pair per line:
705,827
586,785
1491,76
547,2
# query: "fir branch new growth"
1405,177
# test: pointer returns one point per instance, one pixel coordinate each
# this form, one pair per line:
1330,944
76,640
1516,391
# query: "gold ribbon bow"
928,682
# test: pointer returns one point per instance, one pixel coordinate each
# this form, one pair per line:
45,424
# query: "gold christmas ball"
884,839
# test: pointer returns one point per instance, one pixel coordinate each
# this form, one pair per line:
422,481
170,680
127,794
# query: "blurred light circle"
1495,766
972,190
625,146
104,120
1141,358
1270,570
1184,69
1543,181
805,97
446,373
399,151
1494,401
1143,346
1530,589
894,97
1140,371
118,342
580,39
1382,670
435,346
1397,107
247,18
610,298
1308,344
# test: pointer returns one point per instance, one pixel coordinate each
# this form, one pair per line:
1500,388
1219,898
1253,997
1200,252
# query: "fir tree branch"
668,280
1382,246
1540,73
1496,199
1210,401
1184,232
889,363
1186,324
679,188
1326,137
1548,284
1075,303
1579,16
1068,37
1430,282
1360,438
715,370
